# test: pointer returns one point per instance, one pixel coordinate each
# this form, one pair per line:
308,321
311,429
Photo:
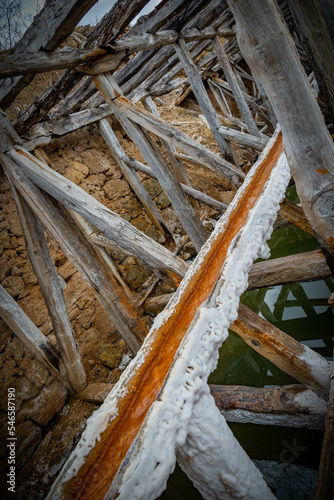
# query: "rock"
110,354
133,207
152,187
24,390
140,223
66,270
4,241
96,161
96,392
14,285
48,403
74,176
35,371
34,306
136,272
152,232
84,319
8,260
116,188
162,201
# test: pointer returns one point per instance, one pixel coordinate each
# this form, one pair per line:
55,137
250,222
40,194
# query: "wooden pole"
270,53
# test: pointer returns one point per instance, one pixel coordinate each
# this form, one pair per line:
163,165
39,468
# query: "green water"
302,311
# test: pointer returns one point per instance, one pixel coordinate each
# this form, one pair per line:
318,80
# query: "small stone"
162,201
133,207
110,354
152,187
48,403
14,285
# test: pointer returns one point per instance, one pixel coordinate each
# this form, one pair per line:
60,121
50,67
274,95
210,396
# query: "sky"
95,14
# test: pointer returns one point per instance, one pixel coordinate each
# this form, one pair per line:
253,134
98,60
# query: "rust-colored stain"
102,463
322,171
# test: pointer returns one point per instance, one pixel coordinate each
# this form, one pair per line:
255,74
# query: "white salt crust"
184,405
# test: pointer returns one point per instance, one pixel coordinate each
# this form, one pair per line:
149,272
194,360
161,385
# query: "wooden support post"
186,213
83,256
176,137
30,335
296,359
198,88
166,388
295,214
230,77
134,181
325,486
109,223
272,57
42,263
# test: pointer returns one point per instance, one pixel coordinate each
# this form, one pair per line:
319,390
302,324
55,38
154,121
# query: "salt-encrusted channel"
181,416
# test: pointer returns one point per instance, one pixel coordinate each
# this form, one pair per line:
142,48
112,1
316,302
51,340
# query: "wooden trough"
161,410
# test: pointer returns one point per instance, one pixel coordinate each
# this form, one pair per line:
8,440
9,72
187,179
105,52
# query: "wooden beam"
299,421
325,486
30,335
176,137
295,214
134,181
168,180
294,358
48,30
272,58
238,137
197,86
230,77
83,256
109,223
42,263
173,366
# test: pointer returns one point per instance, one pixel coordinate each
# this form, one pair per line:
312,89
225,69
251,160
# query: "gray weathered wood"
154,158
271,55
30,335
238,137
176,137
48,30
42,263
312,422
109,223
134,181
230,77
194,193
202,97
83,256
41,62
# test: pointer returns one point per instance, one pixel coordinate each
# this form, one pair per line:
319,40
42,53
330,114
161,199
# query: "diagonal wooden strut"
126,414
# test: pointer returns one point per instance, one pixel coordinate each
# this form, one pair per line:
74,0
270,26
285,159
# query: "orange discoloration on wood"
102,463
323,171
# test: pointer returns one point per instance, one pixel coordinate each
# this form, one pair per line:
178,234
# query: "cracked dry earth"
49,421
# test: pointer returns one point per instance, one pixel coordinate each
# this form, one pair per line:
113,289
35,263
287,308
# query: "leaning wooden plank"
109,223
160,385
83,256
287,399
42,263
168,180
169,133
230,77
294,358
238,137
62,126
30,335
325,486
308,266
202,97
308,144
108,29
299,421
295,214
49,29
134,181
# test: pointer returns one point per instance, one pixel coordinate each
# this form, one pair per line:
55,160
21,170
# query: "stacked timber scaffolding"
162,409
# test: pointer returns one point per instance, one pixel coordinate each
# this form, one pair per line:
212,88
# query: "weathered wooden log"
41,261
30,335
108,29
184,210
316,40
295,214
42,62
272,57
325,486
249,140
197,86
230,77
299,421
176,137
109,223
109,459
287,399
83,256
296,359
134,181
48,30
